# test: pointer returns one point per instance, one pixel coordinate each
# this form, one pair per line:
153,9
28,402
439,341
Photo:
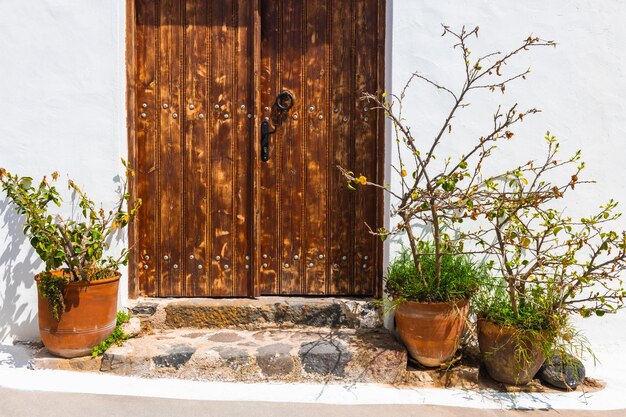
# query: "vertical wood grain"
222,147
269,191
170,146
243,104
291,152
366,125
380,143
315,142
255,236
146,141
196,150
341,203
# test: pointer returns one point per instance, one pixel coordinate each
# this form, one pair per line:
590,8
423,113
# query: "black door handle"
284,102
265,140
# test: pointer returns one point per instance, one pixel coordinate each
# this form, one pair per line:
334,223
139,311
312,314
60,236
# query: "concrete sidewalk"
17,403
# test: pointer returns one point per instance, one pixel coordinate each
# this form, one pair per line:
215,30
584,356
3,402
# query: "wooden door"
313,238
216,220
194,87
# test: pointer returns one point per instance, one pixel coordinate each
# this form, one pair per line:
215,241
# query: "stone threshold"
259,313
344,356
282,339
285,355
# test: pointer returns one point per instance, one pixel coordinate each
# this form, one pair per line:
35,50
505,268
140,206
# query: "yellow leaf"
403,173
524,180
362,180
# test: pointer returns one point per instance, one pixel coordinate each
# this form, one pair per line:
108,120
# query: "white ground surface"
14,374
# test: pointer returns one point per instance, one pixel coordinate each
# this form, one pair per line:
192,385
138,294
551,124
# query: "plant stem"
412,243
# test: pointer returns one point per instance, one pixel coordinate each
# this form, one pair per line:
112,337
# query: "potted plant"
77,291
430,314
432,280
548,266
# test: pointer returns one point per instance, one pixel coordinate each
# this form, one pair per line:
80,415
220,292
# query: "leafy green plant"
459,279
51,291
117,337
548,264
73,246
433,193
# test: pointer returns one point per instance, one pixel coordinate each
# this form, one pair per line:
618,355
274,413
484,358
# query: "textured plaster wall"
62,103
62,107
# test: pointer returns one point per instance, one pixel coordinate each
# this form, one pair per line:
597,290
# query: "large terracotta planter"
431,332
510,355
88,319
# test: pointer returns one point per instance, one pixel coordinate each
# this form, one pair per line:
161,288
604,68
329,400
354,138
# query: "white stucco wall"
62,107
62,100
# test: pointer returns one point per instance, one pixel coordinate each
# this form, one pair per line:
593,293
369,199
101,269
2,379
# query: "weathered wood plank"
170,147
196,163
366,125
222,147
255,166
291,150
146,251
341,203
315,142
244,87
380,143
269,192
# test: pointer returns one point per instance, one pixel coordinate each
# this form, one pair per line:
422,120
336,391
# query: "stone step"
292,355
260,313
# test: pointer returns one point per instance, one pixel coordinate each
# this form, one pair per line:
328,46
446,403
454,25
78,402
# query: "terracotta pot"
510,355
431,332
89,317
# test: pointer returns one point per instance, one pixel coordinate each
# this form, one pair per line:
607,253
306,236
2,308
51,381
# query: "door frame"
131,123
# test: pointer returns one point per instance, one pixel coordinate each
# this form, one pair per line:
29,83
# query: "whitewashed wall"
62,103
62,107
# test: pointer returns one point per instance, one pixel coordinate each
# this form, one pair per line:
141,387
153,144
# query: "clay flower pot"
431,332
89,317
510,355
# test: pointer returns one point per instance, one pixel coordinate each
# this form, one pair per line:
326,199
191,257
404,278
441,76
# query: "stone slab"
45,360
260,313
293,355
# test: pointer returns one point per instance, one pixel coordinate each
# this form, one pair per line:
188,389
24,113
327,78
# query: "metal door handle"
265,140
285,101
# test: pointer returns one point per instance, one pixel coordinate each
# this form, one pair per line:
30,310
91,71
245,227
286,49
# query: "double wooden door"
241,195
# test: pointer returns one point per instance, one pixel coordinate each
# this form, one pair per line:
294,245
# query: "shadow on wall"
18,265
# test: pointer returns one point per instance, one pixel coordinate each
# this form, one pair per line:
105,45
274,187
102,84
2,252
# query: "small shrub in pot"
77,290
549,267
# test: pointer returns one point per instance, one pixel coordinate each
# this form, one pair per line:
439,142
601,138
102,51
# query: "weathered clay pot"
510,355
88,319
431,332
